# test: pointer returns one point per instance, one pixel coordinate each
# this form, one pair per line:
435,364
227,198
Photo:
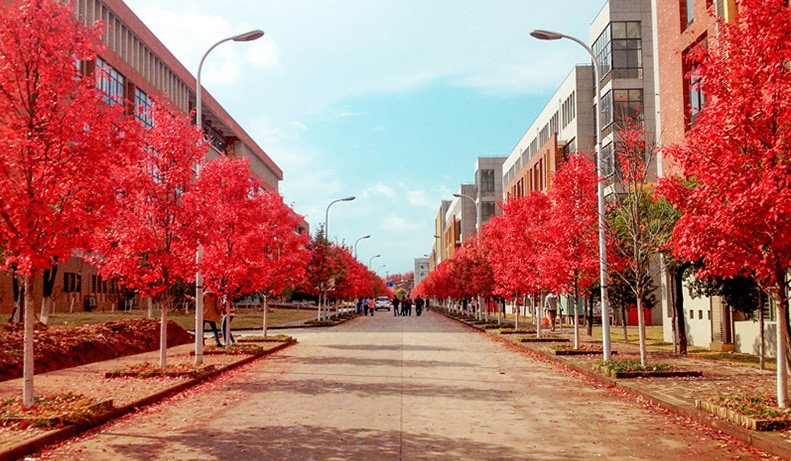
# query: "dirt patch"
63,347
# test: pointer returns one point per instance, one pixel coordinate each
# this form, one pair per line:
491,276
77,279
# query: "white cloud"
419,198
397,223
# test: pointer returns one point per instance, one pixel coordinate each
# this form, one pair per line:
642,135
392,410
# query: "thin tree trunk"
266,312
516,320
163,335
27,351
539,317
641,328
226,330
623,324
19,295
590,315
678,300
48,285
761,326
576,318
150,308
782,338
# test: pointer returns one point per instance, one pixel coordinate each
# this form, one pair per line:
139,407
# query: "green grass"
246,318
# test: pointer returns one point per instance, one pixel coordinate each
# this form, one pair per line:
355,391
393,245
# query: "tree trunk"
590,315
641,328
576,318
19,293
516,320
762,333
266,309
538,316
782,338
318,304
27,351
49,285
678,301
623,324
226,325
150,308
163,335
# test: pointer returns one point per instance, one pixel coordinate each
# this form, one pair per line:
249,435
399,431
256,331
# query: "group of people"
406,304
366,305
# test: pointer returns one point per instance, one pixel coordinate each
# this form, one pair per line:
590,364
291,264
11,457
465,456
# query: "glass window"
487,211
143,108
627,105
608,160
487,181
110,82
619,47
696,96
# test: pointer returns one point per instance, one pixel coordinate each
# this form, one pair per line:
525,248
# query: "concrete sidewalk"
675,394
127,394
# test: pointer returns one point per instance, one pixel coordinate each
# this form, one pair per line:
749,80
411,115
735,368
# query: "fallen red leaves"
63,347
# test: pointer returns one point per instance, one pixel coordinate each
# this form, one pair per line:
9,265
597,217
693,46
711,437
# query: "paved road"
387,388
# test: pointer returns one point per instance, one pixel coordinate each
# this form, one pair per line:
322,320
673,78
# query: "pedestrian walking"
408,306
365,306
551,306
396,303
418,306
428,303
372,306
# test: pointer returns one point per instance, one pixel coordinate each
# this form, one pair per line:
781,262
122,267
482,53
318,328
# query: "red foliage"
151,242
737,217
249,235
571,259
64,150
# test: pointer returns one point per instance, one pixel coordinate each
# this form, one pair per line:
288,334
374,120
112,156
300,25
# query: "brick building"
136,67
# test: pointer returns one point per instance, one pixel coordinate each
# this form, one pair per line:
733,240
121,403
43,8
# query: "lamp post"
605,303
475,204
327,214
377,269
245,37
372,259
358,240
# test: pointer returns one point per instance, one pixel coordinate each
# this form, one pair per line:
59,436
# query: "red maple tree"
63,149
736,219
571,260
151,243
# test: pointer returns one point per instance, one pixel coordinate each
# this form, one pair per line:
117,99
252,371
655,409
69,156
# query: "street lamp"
605,304
245,37
327,214
377,269
372,259
475,204
358,240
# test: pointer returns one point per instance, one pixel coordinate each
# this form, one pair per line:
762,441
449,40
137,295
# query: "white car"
382,302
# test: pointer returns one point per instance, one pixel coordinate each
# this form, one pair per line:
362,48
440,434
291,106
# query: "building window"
608,159
215,137
72,282
687,12
606,111
143,108
627,105
487,211
568,111
694,99
695,94
98,285
620,47
486,180
110,82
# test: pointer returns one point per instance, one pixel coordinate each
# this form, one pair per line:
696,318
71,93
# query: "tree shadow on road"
315,442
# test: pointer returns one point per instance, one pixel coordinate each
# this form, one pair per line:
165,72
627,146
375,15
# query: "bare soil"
56,348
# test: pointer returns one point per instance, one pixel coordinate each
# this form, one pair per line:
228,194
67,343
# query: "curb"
59,435
752,438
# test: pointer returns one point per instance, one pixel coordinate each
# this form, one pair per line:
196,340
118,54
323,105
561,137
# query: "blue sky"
390,101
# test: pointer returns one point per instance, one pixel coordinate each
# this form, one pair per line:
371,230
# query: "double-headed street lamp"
327,214
358,240
605,303
245,37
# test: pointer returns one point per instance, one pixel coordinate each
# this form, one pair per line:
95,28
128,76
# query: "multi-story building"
437,254
565,125
136,68
681,27
421,269
460,219
489,188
